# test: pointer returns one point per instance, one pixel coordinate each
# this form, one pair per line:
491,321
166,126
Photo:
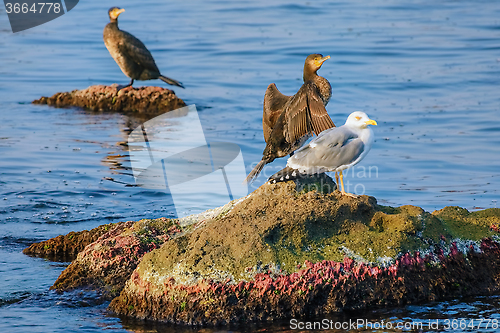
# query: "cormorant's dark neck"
309,74
114,21
112,26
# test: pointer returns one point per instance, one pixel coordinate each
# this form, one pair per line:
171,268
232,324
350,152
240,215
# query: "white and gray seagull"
333,150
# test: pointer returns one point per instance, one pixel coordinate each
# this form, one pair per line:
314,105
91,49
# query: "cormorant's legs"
128,85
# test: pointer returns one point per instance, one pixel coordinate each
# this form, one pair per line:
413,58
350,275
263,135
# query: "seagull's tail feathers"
170,81
285,175
255,172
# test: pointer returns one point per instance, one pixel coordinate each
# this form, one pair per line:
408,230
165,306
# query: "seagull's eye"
358,118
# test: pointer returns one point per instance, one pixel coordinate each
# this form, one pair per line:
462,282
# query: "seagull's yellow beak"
371,122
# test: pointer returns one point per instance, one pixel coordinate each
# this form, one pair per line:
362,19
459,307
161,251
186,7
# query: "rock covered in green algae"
279,253
318,289
277,225
147,100
249,264
469,225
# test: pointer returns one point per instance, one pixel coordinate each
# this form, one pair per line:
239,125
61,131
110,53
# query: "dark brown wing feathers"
319,116
305,114
274,104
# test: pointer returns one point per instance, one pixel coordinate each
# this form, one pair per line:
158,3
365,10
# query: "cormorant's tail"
170,81
255,172
284,175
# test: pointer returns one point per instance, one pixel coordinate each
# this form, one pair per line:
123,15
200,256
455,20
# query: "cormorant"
288,121
130,54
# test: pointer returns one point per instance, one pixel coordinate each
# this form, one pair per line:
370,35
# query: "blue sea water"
427,71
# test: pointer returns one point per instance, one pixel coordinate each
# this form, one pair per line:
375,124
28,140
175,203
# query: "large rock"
282,254
144,100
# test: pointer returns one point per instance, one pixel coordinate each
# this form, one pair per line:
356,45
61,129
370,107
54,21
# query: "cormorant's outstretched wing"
319,116
306,113
274,104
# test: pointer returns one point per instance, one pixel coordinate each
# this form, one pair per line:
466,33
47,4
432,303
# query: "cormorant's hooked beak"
371,122
322,60
115,12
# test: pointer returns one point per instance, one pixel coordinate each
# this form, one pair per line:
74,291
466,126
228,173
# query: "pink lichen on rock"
321,288
109,261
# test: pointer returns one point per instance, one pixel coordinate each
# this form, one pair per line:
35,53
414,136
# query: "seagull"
335,149
289,121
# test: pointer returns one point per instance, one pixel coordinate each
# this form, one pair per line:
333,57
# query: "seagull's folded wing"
332,149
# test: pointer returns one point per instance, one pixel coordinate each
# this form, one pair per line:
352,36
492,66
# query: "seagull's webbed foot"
350,195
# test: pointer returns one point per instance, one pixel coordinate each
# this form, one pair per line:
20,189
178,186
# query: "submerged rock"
145,100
